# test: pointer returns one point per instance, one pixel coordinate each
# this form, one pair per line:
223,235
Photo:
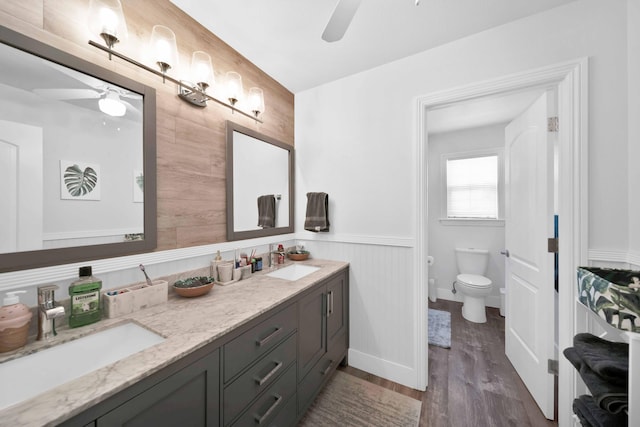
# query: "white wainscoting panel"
381,305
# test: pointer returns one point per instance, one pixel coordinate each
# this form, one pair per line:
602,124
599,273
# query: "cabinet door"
190,397
337,319
311,330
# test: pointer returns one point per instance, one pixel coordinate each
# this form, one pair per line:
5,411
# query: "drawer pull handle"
269,337
261,419
327,309
326,371
271,373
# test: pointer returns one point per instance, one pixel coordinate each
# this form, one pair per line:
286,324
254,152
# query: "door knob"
505,253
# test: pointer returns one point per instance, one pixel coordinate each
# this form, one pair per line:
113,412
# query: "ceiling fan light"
106,19
112,106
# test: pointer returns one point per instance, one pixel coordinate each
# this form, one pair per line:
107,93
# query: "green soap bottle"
85,299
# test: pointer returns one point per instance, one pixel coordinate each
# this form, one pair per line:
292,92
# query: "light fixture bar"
171,79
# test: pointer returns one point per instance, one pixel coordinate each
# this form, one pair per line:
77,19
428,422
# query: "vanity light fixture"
233,86
201,69
106,19
164,48
202,74
256,101
165,53
112,105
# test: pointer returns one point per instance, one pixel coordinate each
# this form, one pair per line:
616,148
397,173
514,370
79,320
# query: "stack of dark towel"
604,368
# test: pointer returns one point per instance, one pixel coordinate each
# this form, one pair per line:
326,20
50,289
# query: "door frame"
571,80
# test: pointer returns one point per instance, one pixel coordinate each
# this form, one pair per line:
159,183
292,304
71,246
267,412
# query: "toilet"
471,282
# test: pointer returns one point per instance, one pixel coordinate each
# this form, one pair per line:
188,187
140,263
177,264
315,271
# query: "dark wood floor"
472,384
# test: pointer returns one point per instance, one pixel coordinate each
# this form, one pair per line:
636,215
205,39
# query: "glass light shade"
112,105
164,47
233,86
256,100
106,17
201,68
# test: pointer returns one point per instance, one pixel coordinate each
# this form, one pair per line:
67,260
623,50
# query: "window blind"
472,187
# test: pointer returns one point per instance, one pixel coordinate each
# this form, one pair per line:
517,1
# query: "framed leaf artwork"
79,181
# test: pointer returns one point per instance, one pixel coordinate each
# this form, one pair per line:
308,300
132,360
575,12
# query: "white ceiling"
282,37
480,112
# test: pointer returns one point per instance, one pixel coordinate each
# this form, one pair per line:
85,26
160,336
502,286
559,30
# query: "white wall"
355,137
85,136
633,30
444,237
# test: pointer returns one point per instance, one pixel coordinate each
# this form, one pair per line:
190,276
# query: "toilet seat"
474,280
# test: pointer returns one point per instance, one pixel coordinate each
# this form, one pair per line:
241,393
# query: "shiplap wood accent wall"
190,140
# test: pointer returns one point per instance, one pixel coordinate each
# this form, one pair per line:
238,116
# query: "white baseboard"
400,374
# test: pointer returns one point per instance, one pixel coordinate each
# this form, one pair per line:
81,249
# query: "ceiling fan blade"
67,94
340,20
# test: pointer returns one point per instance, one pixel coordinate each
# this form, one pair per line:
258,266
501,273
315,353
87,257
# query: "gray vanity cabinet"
265,372
323,336
190,397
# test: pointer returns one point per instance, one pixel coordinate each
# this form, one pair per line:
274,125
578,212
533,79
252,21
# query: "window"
472,184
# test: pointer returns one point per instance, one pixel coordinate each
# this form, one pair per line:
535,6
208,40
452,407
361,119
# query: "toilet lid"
474,280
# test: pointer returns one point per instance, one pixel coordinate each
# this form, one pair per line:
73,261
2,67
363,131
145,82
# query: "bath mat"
440,328
351,401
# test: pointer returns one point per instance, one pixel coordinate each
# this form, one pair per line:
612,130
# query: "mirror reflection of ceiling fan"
341,18
110,97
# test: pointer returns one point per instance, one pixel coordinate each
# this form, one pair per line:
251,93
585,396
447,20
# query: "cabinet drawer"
259,377
257,341
269,405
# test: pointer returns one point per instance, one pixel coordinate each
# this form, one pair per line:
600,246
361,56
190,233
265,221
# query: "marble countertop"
187,324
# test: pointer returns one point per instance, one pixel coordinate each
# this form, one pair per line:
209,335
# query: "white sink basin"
28,376
293,272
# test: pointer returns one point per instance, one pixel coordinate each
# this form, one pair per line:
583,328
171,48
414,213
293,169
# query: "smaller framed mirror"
259,184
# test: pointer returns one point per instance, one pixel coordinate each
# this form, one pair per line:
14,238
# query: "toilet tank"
472,261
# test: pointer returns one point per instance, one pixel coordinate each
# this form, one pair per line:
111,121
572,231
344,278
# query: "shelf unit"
586,324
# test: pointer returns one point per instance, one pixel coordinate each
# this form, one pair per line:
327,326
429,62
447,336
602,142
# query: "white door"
529,327
21,187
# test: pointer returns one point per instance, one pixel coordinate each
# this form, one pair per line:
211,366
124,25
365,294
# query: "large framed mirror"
259,184
77,158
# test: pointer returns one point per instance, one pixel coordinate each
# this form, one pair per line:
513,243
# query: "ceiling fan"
341,18
109,96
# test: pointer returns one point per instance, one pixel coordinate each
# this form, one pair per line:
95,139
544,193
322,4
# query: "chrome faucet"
271,254
48,311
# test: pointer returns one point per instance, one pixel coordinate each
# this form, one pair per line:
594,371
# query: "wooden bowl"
298,257
194,291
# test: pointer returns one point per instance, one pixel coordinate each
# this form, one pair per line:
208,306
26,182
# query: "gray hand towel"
317,218
267,211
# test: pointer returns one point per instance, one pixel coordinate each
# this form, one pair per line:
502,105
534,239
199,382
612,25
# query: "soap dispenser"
14,322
